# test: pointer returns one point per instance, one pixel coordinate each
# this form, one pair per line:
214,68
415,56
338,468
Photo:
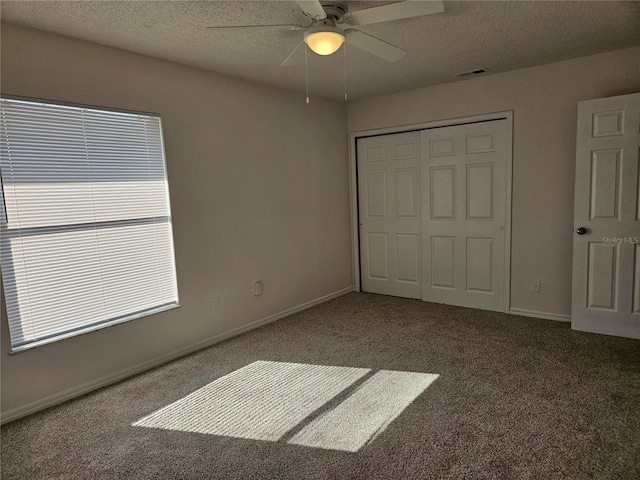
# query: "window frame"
130,221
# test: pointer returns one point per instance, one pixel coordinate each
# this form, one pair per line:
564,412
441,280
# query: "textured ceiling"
500,36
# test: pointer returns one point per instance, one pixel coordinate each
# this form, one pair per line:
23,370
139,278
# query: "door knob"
581,230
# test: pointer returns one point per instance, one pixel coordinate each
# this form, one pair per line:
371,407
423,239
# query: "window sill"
91,328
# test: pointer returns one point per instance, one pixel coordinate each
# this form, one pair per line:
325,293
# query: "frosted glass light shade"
325,40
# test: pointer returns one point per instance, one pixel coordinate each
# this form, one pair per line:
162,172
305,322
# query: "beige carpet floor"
514,398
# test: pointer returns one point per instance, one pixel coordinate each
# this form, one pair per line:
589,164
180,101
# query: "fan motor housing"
334,11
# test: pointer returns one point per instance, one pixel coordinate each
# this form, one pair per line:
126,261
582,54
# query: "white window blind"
85,221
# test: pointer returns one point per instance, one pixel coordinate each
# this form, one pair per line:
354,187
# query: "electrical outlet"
216,303
258,288
535,286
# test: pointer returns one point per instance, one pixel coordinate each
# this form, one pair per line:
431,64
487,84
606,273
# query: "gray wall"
259,190
544,101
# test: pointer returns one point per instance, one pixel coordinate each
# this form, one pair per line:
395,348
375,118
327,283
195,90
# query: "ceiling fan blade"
281,25
374,45
291,59
394,11
312,9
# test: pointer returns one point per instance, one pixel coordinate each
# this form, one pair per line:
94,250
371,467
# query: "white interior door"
464,200
606,249
389,214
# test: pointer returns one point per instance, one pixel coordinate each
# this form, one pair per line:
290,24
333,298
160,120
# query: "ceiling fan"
331,26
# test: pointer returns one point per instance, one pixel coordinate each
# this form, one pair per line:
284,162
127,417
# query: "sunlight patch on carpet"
268,400
261,401
366,413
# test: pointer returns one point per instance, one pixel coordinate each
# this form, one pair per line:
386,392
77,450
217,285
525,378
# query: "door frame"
353,185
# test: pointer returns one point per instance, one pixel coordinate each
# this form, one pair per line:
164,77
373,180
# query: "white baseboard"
63,396
535,314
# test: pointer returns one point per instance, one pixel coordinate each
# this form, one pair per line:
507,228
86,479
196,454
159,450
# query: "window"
85,223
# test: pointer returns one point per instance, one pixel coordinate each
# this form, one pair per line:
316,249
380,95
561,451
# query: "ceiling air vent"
471,73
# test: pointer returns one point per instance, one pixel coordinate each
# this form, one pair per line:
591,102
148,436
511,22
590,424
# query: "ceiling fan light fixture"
324,40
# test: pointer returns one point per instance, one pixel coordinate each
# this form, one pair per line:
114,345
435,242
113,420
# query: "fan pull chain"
344,51
306,71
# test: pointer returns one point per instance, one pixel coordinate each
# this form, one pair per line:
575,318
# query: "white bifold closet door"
432,213
464,185
389,214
